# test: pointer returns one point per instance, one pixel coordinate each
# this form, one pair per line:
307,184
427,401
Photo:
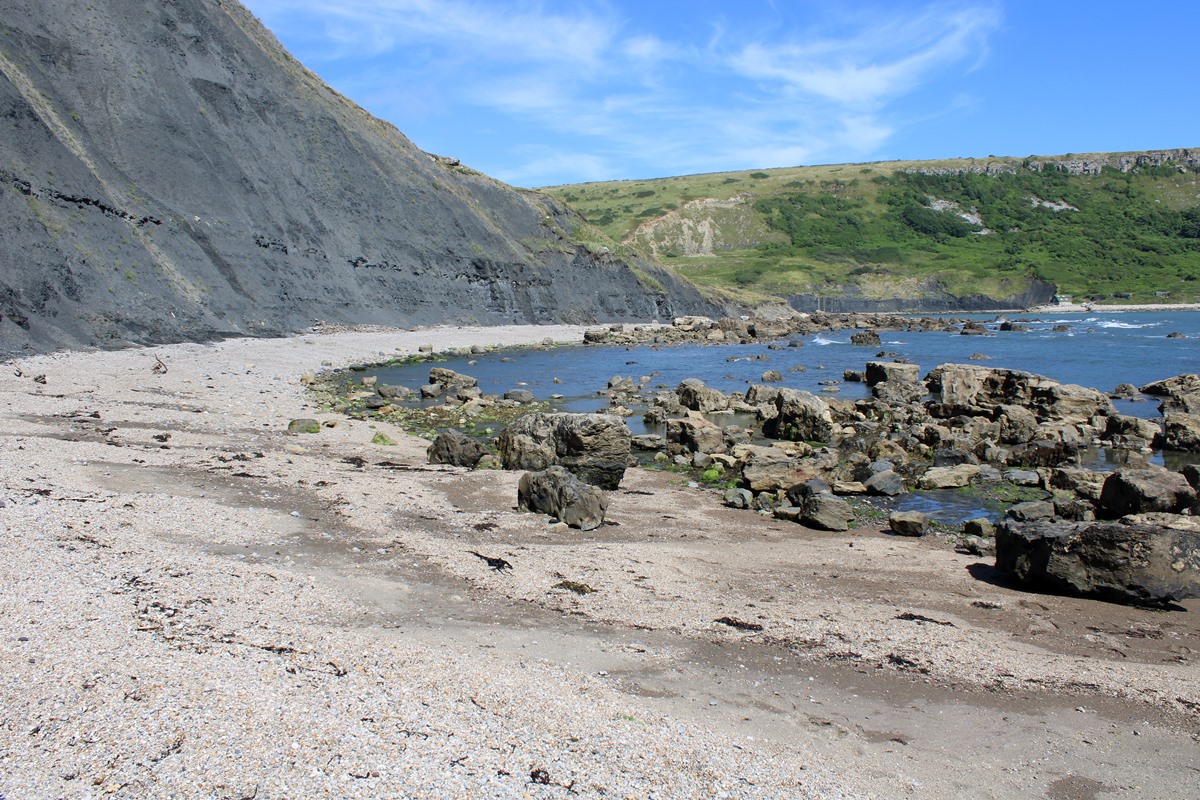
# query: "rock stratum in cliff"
168,172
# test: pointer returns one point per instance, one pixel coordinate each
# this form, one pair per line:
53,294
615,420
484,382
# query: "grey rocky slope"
169,172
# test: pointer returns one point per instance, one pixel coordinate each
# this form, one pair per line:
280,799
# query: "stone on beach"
557,492
1134,562
595,447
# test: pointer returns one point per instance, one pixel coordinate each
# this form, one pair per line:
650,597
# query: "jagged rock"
1181,394
1042,453
1074,509
887,483
1187,383
648,441
738,498
826,512
767,469
909,523
1017,424
1136,491
973,329
1030,510
391,392
432,390
522,396
759,395
694,435
865,339
693,394
1125,391
1126,563
1131,431
595,447
898,393
799,492
980,526
948,477
772,376
468,393
1023,477
450,380
978,545
977,391
1182,432
1085,483
456,448
692,323
892,372
557,492
800,416
621,385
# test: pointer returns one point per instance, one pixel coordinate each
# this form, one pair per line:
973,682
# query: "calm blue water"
1099,350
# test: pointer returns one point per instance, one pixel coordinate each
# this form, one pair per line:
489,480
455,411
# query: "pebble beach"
198,604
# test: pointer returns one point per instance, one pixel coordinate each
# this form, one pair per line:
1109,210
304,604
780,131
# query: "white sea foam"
823,341
1125,325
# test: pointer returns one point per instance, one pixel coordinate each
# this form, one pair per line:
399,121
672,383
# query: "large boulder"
450,380
826,512
949,477
1134,562
1182,432
694,395
694,434
973,390
898,393
555,491
909,523
768,469
595,447
880,371
1181,394
1130,431
390,392
801,416
885,482
456,448
1017,423
1139,490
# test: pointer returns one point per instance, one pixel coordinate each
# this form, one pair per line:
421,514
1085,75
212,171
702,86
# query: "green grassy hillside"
1099,226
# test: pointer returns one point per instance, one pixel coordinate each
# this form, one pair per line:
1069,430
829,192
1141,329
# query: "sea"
1096,350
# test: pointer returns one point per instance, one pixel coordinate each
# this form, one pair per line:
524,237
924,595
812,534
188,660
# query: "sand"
197,604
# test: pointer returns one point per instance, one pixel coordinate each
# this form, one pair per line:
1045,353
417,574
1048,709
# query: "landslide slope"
921,235
168,172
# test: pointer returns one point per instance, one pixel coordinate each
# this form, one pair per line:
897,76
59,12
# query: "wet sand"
198,604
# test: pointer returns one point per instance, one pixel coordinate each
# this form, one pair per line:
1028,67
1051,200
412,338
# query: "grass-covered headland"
1108,227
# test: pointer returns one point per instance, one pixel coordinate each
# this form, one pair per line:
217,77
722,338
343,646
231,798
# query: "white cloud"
878,63
611,94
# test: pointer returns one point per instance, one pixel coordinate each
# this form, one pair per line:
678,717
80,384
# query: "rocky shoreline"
805,453
204,604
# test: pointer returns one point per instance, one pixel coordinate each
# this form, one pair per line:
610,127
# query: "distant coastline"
1096,308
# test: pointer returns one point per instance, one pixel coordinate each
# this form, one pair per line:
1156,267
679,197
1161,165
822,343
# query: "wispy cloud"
574,88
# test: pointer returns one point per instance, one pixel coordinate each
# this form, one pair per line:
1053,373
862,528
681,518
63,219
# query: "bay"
1094,350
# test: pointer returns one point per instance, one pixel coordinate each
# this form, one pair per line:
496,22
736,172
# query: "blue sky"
543,93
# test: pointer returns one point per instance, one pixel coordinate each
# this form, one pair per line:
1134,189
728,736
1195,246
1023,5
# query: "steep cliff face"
169,172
